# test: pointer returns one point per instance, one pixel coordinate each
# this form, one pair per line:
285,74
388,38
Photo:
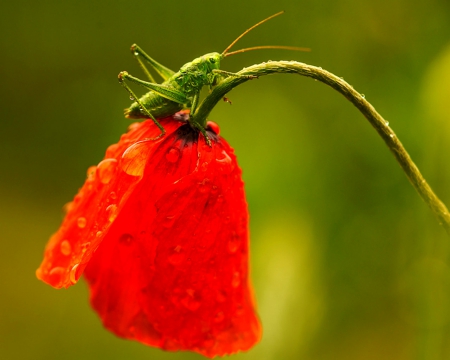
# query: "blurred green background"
347,261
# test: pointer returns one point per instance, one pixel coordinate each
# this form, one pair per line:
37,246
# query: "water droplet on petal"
173,155
126,239
73,276
177,257
67,207
204,186
65,248
106,170
91,173
81,222
84,247
133,126
135,158
189,302
99,234
225,162
56,274
111,150
236,281
168,221
113,195
233,244
213,127
111,212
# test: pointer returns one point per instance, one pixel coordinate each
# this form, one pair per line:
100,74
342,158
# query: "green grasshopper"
181,90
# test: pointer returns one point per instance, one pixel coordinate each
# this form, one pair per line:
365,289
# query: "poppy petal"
182,238
170,267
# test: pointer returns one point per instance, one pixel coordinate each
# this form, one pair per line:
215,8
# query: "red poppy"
160,231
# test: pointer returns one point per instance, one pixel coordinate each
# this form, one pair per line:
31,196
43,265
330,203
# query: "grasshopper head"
212,61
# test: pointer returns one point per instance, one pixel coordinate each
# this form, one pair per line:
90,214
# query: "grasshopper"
181,90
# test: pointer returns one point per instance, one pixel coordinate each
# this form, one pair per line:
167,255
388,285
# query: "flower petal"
173,270
160,230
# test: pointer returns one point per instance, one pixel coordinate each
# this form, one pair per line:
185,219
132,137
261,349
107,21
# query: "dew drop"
134,126
136,53
131,98
225,163
363,96
233,245
190,303
106,170
99,234
111,151
391,135
236,281
67,207
177,258
84,247
135,158
65,247
213,127
111,212
168,222
56,275
91,173
173,155
386,123
113,195
126,239
73,274
204,186
81,222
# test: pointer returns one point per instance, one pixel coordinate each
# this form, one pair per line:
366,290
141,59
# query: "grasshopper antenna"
267,47
247,31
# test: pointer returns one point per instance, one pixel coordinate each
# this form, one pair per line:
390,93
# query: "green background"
347,261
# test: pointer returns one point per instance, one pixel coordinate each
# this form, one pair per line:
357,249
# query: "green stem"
376,120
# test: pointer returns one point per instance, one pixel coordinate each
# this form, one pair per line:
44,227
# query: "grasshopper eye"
212,60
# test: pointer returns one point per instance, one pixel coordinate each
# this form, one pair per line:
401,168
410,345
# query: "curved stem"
376,120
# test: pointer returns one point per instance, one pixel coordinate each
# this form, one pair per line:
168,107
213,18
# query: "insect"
181,90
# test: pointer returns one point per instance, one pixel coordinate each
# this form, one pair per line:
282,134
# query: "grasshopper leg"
122,77
140,54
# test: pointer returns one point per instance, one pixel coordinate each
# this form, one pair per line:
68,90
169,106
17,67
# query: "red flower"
160,231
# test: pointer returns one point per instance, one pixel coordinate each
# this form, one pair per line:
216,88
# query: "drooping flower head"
160,232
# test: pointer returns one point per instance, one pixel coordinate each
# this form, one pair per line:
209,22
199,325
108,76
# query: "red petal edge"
160,230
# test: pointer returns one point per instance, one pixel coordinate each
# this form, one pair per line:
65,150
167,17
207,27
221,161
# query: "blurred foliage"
347,261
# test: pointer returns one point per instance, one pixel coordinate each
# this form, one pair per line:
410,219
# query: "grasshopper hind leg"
140,54
122,77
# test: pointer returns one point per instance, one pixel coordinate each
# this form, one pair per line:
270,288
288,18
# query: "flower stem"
376,120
